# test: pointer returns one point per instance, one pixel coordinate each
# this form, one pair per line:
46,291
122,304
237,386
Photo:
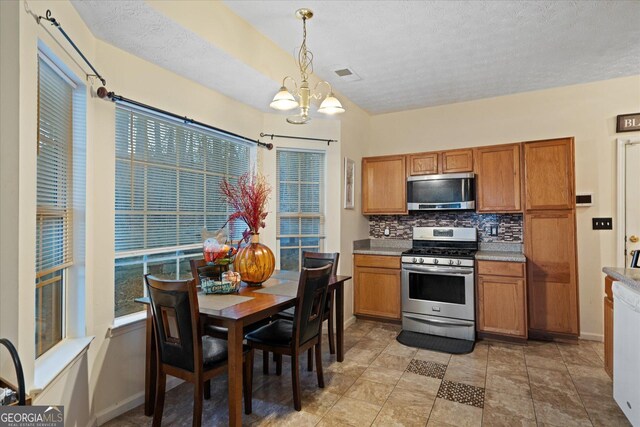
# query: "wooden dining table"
234,312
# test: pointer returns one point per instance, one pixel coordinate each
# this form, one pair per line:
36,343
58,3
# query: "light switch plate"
602,223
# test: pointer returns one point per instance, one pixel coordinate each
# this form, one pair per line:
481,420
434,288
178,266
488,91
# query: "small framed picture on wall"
349,183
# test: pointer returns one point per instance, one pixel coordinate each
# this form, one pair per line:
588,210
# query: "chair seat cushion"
287,314
278,333
214,351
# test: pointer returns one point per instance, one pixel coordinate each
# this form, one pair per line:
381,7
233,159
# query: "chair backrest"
312,298
196,265
320,259
174,305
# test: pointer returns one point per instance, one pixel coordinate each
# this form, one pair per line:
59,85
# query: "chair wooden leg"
207,389
332,338
161,383
265,362
319,364
247,381
295,379
198,394
310,360
278,364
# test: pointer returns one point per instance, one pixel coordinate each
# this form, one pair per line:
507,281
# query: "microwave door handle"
452,271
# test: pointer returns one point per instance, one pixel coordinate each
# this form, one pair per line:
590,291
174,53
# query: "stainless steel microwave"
453,191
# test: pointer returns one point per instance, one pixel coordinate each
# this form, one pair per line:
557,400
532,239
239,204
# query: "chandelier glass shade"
301,95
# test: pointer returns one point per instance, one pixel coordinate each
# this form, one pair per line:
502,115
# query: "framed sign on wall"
628,122
349,183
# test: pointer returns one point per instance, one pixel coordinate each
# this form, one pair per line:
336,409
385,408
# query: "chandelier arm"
317,94
295,84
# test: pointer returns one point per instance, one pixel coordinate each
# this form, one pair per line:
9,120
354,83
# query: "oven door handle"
454,271
437,321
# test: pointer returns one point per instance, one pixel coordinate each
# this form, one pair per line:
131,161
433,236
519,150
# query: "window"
54,212
167,180
300,204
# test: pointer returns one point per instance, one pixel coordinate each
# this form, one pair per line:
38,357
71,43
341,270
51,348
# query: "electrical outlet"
602,223
493,231
386,231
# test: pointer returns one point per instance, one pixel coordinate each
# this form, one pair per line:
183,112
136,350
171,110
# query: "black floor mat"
436,343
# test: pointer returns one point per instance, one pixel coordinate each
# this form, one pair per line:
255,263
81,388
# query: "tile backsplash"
401,226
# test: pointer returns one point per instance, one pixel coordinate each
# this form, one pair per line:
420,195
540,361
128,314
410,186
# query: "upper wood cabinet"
452,161
498,178
457,161
552,282
423,164
384,185
548,174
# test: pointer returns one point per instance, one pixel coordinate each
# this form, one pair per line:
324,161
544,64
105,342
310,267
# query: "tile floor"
384,383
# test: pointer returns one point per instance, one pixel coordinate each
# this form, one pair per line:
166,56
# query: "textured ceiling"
138,28
409,54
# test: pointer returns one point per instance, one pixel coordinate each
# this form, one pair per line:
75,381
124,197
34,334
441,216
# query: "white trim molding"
622,143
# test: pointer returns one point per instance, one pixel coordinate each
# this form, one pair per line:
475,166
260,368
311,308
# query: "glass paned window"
167,191
54,219
300,204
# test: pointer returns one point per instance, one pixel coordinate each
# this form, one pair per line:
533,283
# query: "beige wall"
108,379
586,111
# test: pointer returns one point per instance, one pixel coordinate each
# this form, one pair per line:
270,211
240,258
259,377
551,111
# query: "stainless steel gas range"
438,282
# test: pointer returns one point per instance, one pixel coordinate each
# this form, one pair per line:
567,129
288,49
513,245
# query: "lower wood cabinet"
552,282
502,298
377,286
608,326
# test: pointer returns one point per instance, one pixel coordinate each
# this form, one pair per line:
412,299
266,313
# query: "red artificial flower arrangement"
248,198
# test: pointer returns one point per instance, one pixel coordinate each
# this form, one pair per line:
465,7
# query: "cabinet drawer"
501,268
377,261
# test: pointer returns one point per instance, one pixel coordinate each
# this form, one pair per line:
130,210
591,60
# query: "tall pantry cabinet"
550,238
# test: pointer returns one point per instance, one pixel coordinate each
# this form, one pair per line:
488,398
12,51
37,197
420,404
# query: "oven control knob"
421,260
451,262
459,262
415,260
435,261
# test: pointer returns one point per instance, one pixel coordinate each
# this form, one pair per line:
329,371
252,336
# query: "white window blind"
54,210
167,181
54,202
300,215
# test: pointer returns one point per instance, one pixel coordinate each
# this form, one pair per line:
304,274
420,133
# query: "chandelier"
302,95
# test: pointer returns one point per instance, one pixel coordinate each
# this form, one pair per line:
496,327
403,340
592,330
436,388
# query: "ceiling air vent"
345,73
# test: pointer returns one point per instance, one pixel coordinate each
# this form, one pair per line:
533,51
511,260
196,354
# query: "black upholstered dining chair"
314,260
292,337
182,350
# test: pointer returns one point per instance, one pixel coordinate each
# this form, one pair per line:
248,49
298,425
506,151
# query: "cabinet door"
552,282
377,292
423,164
384,185
608,336
457,161
549,177
502,305
498,178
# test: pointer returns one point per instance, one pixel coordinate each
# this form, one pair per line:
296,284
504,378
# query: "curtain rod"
102,93
272,135
47,16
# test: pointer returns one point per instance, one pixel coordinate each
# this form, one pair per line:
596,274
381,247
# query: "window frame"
145,253
69,321
321,236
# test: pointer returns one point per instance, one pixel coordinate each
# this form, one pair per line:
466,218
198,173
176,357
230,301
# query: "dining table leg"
151,366
340,322
234,346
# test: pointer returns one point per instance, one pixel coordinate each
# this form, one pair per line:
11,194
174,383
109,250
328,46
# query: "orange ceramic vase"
255,262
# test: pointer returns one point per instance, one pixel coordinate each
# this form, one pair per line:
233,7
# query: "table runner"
289,289
220,301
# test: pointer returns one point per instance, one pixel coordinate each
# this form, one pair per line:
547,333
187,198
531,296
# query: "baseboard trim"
350,321
592,337
128,404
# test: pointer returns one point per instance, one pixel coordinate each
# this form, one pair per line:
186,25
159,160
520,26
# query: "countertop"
387,247
630,276
507,252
